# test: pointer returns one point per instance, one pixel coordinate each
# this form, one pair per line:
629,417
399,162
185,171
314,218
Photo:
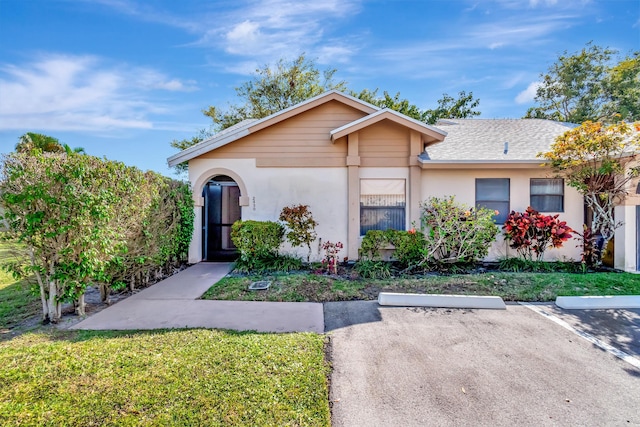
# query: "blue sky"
122,78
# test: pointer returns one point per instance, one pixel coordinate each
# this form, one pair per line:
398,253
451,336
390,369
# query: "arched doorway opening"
221,209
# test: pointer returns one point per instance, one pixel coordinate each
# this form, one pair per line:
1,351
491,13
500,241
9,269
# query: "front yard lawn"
17,301
178,377
509,286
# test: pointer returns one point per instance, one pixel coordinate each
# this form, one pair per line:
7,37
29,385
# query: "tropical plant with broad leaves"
530,233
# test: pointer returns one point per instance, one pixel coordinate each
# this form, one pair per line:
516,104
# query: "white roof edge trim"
309,101
393,112
212,143
478,161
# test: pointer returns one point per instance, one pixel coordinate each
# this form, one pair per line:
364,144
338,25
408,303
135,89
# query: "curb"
443,301
598,302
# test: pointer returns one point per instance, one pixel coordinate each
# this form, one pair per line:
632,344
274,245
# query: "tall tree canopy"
448,107
36,141
274,88
587,86
32,142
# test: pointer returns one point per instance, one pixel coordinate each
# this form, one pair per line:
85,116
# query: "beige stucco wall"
268,190
461,183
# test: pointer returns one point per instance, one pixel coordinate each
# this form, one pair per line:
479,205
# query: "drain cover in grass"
259,286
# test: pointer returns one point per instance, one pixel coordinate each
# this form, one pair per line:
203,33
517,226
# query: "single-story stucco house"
361,167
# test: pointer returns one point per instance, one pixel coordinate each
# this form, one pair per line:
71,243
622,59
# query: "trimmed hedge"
88,220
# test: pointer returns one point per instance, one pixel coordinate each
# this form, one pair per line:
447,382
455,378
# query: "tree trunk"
43,299
43,292
80,309
104,292
54,307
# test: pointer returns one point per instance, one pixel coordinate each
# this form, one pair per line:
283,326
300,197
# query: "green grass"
179,377
509,286
17,302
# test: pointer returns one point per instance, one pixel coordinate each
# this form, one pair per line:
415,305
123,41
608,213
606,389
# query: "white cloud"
61,92
268,29
527,95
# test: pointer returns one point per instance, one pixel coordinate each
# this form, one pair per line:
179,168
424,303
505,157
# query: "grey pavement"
416,366
173,303
453,367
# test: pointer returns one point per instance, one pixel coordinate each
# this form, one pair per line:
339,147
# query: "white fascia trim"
441,162
206,146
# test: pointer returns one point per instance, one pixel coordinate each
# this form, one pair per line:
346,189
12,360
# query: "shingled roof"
490,140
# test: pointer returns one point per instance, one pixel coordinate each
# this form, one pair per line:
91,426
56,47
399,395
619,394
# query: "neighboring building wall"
461,183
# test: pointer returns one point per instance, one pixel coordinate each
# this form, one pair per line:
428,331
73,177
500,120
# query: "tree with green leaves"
183,144
36,141
599,161
623,86
451,108
274,88
584,86
73,213
448,107
31,142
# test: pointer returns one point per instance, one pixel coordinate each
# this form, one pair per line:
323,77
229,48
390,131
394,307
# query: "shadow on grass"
17,303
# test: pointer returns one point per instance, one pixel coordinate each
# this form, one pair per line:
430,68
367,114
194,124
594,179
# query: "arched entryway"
221,209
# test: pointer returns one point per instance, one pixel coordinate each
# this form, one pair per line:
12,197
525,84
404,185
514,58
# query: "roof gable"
249,126
429,133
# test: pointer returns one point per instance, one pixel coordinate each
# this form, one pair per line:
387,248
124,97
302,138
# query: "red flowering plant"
531,233
330,260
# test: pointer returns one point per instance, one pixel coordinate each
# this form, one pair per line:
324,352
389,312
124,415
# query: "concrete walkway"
173,303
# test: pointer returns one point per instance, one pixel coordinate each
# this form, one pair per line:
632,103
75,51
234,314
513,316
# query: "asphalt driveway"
448,367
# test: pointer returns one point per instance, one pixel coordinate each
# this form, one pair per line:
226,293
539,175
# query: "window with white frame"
382,204
547,194
493,193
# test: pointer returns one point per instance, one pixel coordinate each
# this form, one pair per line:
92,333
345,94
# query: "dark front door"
221,209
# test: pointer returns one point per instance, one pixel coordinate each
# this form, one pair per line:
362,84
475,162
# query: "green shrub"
409,246
518,265
372,243
88,220
160,238
268,264
301,226
75,214
455,233
373,269
257,241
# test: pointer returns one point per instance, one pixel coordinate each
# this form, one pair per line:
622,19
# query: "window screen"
547,194
382,204
493,193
